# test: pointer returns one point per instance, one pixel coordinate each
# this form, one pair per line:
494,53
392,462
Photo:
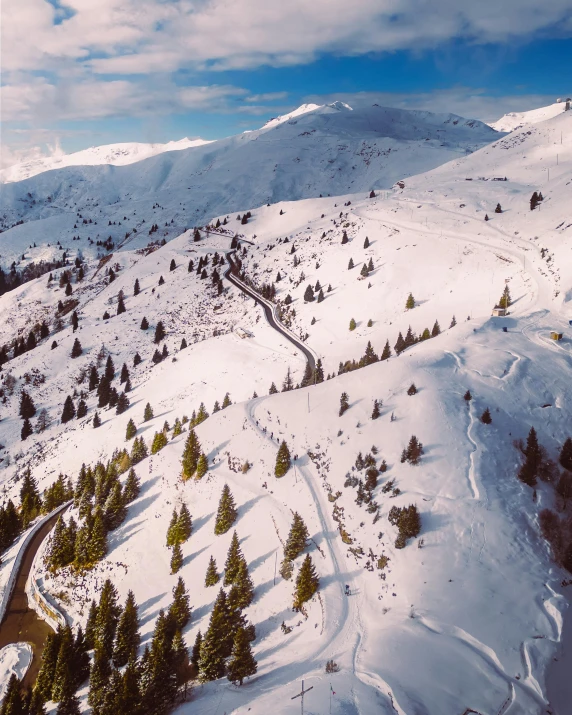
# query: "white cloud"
266,97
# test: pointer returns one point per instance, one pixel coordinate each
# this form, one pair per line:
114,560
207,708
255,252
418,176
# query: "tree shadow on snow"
201,521
247,506
187,560
123,533
137,508
201,611
253,565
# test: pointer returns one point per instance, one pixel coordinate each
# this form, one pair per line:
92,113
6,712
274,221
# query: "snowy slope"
113,154
515,120
14,659
469,616
329,150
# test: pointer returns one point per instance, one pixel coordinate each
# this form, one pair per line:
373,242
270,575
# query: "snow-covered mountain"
515,120
326,150
112,154
469,615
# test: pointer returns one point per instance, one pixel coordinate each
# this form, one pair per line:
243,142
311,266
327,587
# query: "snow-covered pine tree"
226,513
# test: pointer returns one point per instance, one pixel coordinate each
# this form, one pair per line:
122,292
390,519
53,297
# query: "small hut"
499,312
556,336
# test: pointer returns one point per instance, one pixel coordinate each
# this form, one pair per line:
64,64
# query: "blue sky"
102,71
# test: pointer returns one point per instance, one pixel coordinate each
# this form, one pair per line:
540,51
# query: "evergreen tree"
196,652
114,508
109,369
453,322
98,540
211,576
27,407
498,209
122,404
309,294
534,200
400,344
191,455
344,403
45,679
132,487
364,271
139,450
81,409
90,625
63,686
159,441
352,324
283,460
226,402
172,531
108,612
93,378
176,559
467,396
96,420
344,238
184,524
30,502
226,513
297,538
410,302
366,242
202,466
144,323
148,413
505,300
273,389
242,663
159,333
234,558
26,430
13,703
413,452
103,392
412,390
486,417
350,264
131,430
386,354
436,329
375,413
120,304
214,645
127,637
69,706
180,610
99,675
307,583
136,288
172,265
533,457
76,349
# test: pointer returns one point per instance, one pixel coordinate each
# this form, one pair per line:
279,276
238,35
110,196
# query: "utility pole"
275,564
301,695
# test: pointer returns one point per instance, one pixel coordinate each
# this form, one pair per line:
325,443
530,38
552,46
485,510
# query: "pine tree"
109,369
176,559
96,420
69,706
63,685
307,582
76,349
309,294
90,625
344,238
148,413
234,558
344,403
412,390
139,450
144,323
120,304
410,302
386,354
159,333
45,679
364,271
131,430
184,524
505,300
196,651
366,242
13,703
214,645
202,466
565,458
273,389
376,411
487,217
242,663
467,396
352,324
400,344
27,407
173,530
453,322
127,637
498,209
26,430
297,538
191,455
30,502
122,404
81,409
436,329
98,540
115,509
529,471
159,441
211,576
534,200
226,402
226,513
180,610
283,460
98,679
350,264
486,417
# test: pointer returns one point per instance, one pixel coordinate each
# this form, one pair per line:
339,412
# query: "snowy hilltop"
112,154
299,445
327,150
515,120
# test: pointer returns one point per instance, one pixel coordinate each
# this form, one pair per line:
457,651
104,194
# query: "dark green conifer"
214,645
211,576
191,455
283,460
127,637
233,559
68,413
180,610
297,538
131,430
176,559
242,663
226,513
344,403
307,582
